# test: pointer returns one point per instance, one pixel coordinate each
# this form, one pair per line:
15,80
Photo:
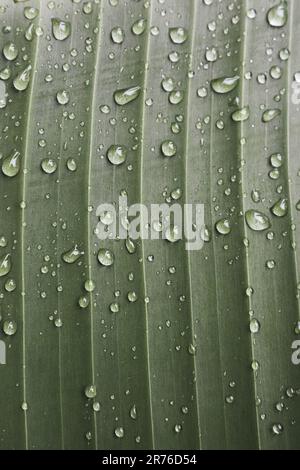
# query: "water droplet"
89,285
130,246
22,80
278,15
10,51
114,307
178,35
254,326
83,301
270,114
223,226
117,154
126,95
105,257
176,96
168,148
224,84
49,166
280,208
90,391
11,164
9,327
31,13
71,164
62,97
72,255
172,234
61,29
133,412
168,84
132,296
276,160
277,429
241,114
139,26
5,265
119,432
257,221
117,35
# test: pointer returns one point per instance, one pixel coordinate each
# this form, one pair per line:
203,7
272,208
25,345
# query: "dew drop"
105,257
126,95
280,208
257,221
178,35
9,327
90,391
22,80
223,226
61,29
10,51
72,255
117,154
11,164
224,84
168,148
49,166
5,265
241,114
270,114
278,15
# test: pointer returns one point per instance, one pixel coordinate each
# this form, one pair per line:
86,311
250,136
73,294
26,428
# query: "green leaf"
143,344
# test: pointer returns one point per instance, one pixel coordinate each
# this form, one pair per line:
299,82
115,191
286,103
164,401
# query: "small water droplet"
223,226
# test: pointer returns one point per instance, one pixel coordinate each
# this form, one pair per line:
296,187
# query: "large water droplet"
117,154
10,51
257,221
117,35
90,391
168,148
5,265
280,208
126,95
22,80
119,432
223,226
9,327
105,257
11,164
49,166
139,27
224,84
61,29
278,15
241,114
178,35
72,255
62,97
270,114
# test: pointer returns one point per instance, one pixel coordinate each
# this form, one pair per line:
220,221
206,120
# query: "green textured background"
140,356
